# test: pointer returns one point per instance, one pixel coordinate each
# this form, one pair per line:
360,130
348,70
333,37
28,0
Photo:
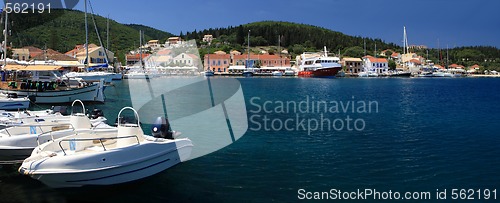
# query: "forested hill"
298,38
62,29
295,37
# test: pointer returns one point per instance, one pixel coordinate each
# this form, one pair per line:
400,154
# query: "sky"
433,23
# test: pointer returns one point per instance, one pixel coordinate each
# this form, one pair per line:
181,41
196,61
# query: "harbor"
215,103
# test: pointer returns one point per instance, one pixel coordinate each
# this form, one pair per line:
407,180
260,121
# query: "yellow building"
96,54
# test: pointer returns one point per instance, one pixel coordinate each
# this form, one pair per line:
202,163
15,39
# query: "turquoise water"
425,134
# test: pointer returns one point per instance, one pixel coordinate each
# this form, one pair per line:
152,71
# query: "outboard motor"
63,110
96,113
161,129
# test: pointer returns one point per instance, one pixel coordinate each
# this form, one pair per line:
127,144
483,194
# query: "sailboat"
404,72
93,75
248,72
45,84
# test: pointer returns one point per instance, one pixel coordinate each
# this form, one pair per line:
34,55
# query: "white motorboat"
104,159
209,73
92,76
12,102
18,141
277,73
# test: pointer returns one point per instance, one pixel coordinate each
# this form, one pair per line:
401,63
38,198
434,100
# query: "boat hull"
323,72
20,147
407,75
14,103
93,92
93,76
108,167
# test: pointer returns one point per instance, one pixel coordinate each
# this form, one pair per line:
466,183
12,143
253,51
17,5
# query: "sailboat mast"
364,45
279,50
248,47
140,48
86,62
447,57
5,38
107,33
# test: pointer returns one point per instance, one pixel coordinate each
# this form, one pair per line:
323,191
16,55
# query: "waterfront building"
133,59
352,66
217,62
378,65
97,54
184,59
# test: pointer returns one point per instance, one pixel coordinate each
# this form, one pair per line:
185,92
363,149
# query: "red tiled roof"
78,48
377,60
135,56
164,52
395,54
218,56
453,65
415,61
193,56
475,66
50,54
34,51
439,66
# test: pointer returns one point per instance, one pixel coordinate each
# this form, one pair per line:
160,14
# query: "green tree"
356,52
392,65
240,35
388,54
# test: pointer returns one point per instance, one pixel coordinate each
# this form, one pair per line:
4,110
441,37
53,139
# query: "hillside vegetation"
62,29
298,38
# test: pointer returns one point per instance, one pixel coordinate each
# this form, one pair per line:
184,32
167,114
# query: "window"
225,62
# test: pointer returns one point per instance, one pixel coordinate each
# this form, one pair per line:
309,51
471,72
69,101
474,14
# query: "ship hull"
321,73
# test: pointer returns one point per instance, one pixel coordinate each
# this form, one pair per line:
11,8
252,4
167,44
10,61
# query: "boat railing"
34,127
55,129
101,141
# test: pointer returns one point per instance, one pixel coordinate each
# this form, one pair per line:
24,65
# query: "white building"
186,59
379,65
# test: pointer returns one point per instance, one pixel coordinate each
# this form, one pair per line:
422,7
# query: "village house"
352,65
133,59
261,59
208,39
154,44
186,60
379,65
97,54
217,62
21,54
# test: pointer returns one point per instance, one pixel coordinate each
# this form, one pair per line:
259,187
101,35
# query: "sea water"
420,135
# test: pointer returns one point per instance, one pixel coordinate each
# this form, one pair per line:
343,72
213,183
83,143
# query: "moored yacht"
319,66
45,84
